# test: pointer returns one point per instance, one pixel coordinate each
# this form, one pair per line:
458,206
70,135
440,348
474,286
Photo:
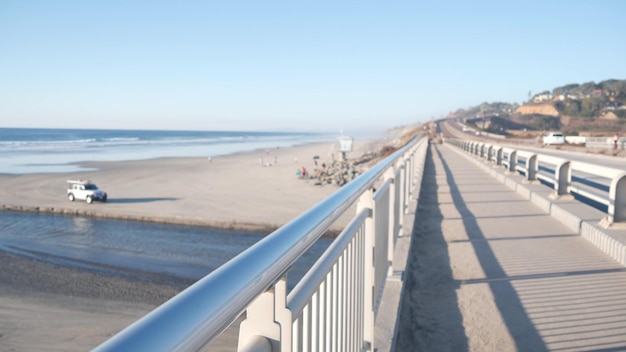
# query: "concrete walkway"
490,271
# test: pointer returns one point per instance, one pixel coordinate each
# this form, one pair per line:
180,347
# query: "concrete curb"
578,217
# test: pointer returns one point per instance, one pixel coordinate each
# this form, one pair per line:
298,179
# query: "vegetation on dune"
573,108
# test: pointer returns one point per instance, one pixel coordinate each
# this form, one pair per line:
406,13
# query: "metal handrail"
196,316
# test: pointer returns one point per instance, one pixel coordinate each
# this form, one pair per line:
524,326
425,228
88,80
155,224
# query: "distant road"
584,155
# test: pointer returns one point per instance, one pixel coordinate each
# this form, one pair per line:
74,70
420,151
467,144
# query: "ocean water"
40,150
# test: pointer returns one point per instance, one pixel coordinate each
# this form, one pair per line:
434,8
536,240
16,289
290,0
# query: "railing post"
367,202
482,151
513,161
532,167
499,156
562,178
489,152
617,199
393,217
406,176
268,322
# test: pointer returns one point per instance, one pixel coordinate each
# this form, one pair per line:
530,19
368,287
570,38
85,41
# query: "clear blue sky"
292,65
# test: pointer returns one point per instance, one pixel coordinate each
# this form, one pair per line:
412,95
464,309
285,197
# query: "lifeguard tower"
345,145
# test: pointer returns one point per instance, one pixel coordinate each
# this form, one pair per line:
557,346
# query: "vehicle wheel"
70,197
89,200
104,199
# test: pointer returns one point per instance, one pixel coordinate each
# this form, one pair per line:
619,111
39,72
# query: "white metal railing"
332,308
604,185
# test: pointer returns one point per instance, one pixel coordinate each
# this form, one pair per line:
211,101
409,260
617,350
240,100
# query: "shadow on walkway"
507,300
430,319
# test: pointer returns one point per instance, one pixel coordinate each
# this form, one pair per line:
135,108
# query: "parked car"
84,190
554,138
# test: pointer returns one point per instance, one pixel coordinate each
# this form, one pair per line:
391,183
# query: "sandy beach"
256,190
49,307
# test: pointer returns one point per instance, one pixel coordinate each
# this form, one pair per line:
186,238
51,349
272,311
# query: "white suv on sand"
84,190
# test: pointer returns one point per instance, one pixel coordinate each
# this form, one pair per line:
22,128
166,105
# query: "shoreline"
228,192
206,223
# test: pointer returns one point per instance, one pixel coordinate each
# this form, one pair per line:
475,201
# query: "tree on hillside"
613,85
487,109
565,89
588,88
592,106
570,107
616,89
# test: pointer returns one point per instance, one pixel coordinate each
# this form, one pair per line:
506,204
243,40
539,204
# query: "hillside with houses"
589,108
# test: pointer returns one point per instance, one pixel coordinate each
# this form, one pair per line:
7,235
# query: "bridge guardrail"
603,185
333,307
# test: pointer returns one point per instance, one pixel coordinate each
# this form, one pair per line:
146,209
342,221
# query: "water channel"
107,245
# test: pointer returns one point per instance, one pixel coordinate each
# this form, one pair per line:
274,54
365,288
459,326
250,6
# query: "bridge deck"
489,270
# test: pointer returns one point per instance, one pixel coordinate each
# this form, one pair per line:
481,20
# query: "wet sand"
55,308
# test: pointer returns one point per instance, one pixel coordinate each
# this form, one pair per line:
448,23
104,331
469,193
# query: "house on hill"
541,97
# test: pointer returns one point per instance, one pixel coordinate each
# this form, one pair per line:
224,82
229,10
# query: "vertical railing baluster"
322,315
350,278
306,328
335,337
329,307
366,201
358,260
314,322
